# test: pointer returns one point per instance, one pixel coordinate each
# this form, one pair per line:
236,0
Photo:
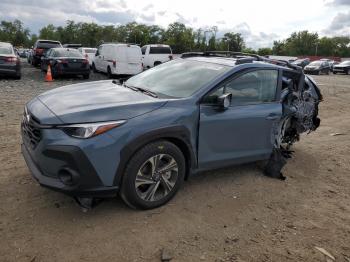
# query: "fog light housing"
68,176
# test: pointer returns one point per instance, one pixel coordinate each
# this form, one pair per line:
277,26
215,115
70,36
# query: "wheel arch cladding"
179,136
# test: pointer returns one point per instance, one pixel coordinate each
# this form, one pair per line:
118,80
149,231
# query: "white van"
118,59
154,55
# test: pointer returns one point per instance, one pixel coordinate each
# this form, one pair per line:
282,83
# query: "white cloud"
260,22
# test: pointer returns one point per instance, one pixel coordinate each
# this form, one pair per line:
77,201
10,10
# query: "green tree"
264,51
235,41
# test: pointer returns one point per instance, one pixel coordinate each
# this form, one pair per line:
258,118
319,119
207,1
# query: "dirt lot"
234,214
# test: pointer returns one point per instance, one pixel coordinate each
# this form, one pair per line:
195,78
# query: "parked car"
22,52
76,46
318,67
88,53
331,62
118,59
65,61
10,63
153,55
39,49
302,62
343,67
143,138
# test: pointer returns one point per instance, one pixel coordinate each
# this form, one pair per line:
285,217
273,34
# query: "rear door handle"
272,117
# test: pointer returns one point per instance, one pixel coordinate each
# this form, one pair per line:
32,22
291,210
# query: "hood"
312,67
97,101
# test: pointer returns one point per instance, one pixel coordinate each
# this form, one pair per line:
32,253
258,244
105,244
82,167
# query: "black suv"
40,48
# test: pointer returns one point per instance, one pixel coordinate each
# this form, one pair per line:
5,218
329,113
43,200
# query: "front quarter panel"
176,119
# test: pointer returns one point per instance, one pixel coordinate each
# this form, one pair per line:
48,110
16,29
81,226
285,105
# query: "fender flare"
174,133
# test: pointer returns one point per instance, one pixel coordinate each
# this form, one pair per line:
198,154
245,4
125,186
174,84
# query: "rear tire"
347,72
86,76
156,63
153,175
334,73
109,73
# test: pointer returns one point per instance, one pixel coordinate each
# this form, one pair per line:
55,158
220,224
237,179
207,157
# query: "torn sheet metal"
300,115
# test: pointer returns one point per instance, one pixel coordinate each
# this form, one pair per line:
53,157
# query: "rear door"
243,132
131,58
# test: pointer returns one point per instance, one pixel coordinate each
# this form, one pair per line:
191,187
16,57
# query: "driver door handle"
272,117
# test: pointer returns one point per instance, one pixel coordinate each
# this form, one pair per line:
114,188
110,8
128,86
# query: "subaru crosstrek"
144,137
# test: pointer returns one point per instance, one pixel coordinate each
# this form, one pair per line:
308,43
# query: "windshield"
68,53
178,78
316,63
5,50
298,61
345,63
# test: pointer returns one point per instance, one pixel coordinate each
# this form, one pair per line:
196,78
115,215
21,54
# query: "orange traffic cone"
48,77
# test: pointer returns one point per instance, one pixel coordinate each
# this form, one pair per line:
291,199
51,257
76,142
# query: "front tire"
153,175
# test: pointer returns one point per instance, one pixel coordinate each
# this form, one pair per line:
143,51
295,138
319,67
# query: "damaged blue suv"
143,138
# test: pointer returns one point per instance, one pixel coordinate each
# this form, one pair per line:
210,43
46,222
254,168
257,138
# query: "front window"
345,63
178,78
160,50
253,87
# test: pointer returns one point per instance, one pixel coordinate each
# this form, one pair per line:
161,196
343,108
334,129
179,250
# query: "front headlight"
90,129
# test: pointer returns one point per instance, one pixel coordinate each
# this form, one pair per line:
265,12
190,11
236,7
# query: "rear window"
48,44
160,50
90,51
68,53
5,50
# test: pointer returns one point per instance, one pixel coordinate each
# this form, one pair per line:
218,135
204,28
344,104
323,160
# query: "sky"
260,22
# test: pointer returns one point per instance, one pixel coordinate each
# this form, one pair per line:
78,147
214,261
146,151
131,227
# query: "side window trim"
241,73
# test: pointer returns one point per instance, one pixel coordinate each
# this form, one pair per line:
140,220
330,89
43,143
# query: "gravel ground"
233,214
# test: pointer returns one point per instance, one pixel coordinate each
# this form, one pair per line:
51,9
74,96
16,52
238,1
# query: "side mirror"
224,101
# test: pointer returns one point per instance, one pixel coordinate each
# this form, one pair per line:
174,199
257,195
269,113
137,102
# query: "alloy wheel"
156,177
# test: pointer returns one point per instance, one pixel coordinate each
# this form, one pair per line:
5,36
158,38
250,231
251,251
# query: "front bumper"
311,71
340,70
71,158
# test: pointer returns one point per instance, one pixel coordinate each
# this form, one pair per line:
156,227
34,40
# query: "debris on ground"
166,255
336,134
326,253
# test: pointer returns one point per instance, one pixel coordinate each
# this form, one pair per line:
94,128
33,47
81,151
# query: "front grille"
30,130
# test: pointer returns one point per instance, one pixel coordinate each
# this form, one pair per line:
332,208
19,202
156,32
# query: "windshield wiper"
143,90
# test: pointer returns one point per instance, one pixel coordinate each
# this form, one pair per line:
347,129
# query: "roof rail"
242,58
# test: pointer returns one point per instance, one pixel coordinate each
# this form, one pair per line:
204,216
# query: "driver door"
244,131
